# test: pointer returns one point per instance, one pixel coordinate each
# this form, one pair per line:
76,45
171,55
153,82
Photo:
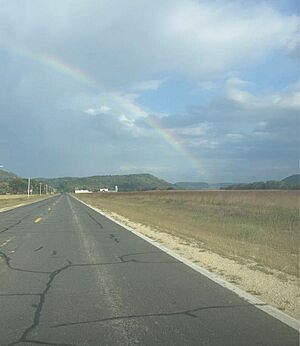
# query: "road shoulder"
11,207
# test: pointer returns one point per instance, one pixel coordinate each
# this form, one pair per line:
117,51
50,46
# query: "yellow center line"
38,219
7,241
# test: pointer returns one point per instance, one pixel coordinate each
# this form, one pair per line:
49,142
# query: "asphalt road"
69,276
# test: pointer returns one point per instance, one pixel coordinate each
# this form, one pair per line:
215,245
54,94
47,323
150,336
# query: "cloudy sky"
194,90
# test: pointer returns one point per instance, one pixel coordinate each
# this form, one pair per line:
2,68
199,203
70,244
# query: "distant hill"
289,183
220,185
131,182
11,183
292,180
187,185
5,175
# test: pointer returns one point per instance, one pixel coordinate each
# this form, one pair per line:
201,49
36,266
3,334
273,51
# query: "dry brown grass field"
7,201
262,226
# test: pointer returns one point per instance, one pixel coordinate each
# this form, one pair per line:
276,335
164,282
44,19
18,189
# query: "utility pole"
28,187
40,189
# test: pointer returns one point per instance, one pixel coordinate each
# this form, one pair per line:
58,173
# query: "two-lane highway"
69,276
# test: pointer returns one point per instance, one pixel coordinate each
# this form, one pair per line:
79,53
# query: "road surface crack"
39,307
52,275
14,224
7,261
19,294
38,342
123,260
39,204
190,313
95,220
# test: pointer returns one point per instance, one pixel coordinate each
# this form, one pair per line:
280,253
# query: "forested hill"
292,180
6,175
131,182
10,183
189,185
289,183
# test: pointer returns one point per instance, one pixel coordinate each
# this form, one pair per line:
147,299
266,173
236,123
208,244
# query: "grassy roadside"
7,201
259,225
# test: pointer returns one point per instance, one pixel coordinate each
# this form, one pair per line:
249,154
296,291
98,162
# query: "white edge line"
270,310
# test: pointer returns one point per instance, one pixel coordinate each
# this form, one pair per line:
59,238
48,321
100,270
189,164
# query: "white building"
103,190
83,191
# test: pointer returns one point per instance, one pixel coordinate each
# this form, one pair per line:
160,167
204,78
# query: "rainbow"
56,64
176,143
77,74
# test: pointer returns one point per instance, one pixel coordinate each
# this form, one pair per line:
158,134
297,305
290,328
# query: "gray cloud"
263,133
121,42
72,73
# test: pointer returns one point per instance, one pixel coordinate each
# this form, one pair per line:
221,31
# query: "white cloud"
125,104
113,103
99,110
213,36
131,127
153,84
242,97
202,143
286,99
125,120
237,82
262,134
207,85
235,136
193,130
124,108
262,124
